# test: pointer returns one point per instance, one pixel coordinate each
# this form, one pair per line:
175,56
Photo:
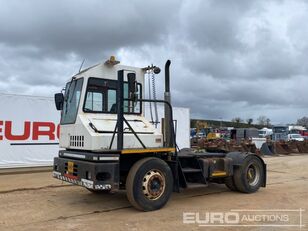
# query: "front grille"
76,141
75,172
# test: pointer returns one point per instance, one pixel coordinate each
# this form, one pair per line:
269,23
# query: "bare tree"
303,121
249,121
237,120
268,122
263,120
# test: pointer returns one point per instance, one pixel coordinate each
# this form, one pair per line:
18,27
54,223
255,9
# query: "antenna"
81,65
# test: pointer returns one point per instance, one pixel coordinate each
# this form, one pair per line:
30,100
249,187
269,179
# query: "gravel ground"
36,201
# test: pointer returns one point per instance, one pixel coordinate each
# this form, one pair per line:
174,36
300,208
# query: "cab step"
191,170
196,185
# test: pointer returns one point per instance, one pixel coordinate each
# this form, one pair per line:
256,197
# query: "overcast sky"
229,58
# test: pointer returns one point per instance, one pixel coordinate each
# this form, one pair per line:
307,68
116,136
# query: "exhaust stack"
167,126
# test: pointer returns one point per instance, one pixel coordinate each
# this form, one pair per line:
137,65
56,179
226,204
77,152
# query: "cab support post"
120,109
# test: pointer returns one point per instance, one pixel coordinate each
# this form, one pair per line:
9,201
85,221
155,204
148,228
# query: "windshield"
71,101
296,136
280,129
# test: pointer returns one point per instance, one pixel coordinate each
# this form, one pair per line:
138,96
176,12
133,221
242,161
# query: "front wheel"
149,184
249,177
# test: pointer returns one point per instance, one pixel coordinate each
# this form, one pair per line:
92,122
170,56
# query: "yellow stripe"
147,150
219,174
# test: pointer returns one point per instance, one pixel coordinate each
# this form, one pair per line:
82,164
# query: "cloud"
84,28
229,58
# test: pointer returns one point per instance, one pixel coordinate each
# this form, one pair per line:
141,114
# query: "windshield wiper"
68,93
87,110
69,88
73,92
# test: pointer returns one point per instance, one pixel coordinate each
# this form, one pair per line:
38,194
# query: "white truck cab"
89,114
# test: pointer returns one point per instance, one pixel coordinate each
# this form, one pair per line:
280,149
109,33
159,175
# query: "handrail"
171,114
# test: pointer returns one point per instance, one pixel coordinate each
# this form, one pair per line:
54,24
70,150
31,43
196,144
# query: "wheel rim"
253,174
153,185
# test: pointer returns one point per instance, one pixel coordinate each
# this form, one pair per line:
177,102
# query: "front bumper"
92,175
82,182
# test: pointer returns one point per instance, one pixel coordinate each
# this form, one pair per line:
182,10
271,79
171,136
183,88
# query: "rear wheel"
249,177
149,184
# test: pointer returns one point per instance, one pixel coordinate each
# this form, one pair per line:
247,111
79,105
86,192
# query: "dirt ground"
36,201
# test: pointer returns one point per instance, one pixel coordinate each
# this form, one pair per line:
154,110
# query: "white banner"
29,130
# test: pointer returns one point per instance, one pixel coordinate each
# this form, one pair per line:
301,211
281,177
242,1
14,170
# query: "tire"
229,182
249,177
142,181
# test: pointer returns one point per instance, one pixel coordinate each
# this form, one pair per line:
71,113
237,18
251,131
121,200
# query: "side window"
129,106
112,100
94,101
101,97
137,107
125,96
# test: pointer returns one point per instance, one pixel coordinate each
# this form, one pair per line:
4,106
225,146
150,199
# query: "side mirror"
132,85
59,99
